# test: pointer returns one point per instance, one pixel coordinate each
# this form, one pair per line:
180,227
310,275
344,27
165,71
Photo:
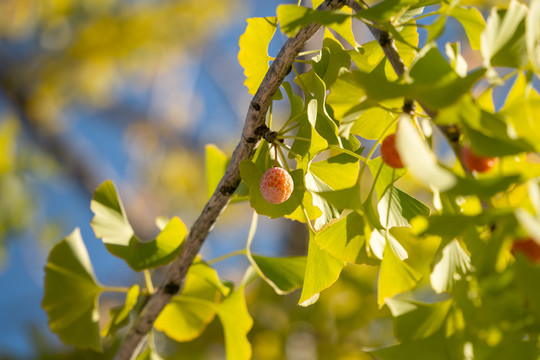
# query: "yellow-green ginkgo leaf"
71,294
253,54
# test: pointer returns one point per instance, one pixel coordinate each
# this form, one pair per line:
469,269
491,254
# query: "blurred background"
133,90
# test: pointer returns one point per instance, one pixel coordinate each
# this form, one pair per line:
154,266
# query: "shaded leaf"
283,274
71,294
120,315
293,18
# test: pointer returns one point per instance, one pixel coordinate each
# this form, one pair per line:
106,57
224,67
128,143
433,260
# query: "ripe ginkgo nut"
276,185
475,162
527,247
389,152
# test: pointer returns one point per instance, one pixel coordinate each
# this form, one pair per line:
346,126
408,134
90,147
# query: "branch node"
171,289
385,39
255,106
408,107
267,134
227,190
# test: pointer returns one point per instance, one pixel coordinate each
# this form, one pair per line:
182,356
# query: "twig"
255,117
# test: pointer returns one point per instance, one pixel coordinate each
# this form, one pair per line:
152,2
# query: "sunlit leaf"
253,54
322,270
216,164
532,35
188,314
454,261
292,18
397,208
237,322
378,241
418,158
385,11
71,294
344,238
395,276
503,41
472,21
120,315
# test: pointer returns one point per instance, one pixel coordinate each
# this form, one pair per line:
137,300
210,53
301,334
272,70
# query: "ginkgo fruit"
276,185
527,247
389,152
475,162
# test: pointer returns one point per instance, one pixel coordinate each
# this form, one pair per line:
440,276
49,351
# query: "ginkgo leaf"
110,223
237,323
120,315
503,40
253,54
532,35
419,159
322,270
344,238
71,294
216,164
378,241
188,314
283,274
397,208
453,262
292,18
416,320
472,21
395,276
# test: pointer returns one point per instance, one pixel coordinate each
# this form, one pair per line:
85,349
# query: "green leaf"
436,29
395,276
419,159
503,41
188,314
472,21
71,294
453,262
120,315
397,208
216,164
386,11
322,270
521,111
110,223
338,172
344,238
380,238
485,187
445,348
416,320
530,223
149,354
253,55
532,35
252,177
343,199
237,323
527,276
284,274
293,18
315,186
384,174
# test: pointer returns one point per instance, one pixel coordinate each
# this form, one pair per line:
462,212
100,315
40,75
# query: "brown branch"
255,118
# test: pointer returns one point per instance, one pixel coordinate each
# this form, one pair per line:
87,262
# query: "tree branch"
386,42
255,118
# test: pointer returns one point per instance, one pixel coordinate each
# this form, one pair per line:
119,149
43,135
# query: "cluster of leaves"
474,299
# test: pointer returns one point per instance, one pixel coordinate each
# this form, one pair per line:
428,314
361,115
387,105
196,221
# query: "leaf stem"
284,158
308,221
116,289
226,256
309,52
148,281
